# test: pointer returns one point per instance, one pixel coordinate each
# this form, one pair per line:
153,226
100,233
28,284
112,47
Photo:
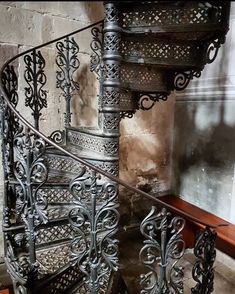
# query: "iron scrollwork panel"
95,218
10,122
30,170
96,47
203,271
162,249
68,63
36,96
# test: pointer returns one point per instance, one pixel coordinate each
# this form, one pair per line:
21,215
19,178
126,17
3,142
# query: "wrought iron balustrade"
61,191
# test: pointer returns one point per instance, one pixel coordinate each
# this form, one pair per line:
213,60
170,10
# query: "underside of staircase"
61,191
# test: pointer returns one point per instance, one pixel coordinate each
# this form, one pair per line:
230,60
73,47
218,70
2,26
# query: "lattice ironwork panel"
143,78
57,195
127,101
104,146
52,259
64,281
60,163
162,52
54,233
57,212
178,14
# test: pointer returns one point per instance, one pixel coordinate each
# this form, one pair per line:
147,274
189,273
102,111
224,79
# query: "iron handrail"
77,158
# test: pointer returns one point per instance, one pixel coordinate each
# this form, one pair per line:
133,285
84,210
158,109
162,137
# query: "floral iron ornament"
95,218
68,63
163,244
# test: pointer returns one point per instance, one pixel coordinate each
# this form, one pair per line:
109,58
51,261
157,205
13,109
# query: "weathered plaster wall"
204,135
145,158
27,24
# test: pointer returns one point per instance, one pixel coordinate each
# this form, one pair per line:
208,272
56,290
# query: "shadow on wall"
203,153
93,9
84,102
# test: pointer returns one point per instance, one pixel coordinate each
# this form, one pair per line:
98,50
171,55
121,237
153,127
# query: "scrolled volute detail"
34,75
203,271
163,244
147,100
68,63
30,169
182,79
58,137
95,219
96,46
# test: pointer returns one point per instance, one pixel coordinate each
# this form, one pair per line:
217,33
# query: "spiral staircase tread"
92,131
83,154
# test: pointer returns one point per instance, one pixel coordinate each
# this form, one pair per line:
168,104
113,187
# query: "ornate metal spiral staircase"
61,192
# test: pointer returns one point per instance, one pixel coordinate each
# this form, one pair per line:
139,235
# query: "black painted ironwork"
95,217
35,95
203,270
162,249
58,137
60,213
97,47
9,121
68,63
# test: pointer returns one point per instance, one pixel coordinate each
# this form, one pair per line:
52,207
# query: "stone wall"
145,158
204,135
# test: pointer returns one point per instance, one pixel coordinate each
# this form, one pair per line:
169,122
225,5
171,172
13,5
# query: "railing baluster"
95,218
68,63
36,96
203,271
163,244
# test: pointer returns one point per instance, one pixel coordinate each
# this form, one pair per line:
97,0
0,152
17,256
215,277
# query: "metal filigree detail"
102,145
147,100
96,47
30,170
68,63
203,271
143,78
163,245
111,13
182,79
111,121
58,137
178,14
10,122
213,48
112,42
35,96
18,264
95,221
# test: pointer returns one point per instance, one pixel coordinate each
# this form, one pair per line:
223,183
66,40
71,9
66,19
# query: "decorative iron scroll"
182,79
58,137
68,63
10,122
30,170
147,100
95,219
203,271
213,48
36,96
96,47
17,264
162,249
